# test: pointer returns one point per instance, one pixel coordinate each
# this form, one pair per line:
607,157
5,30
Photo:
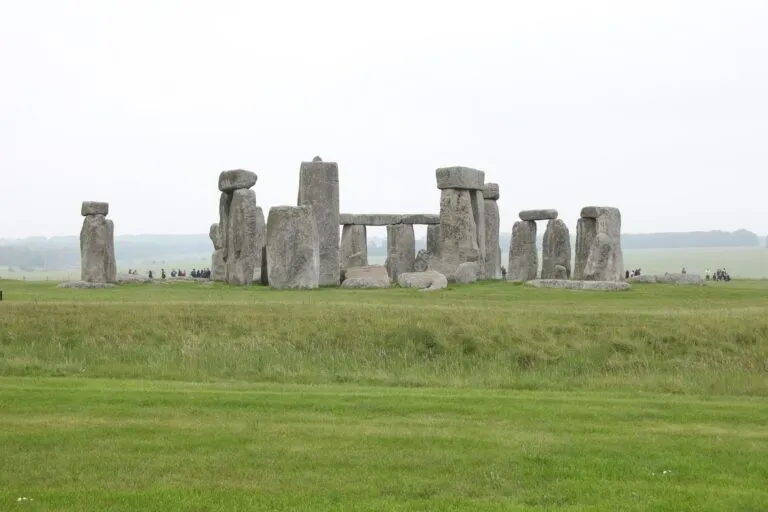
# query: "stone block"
293,248
538,214
94,208
236,179
464,178
319,188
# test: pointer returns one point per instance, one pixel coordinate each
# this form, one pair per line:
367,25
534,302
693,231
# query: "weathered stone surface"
556,250
84,284
667,278
433,240
264,276
93,249
94,208
458,230
421,263
423,281
370,276
464,178
387,219
354,246
538,214
580,285
220,239
245,238
491,191
111,264
478,210
293,248
219,266
401,249
132,279
466,273
523,256
319,188
492,249
560,272
586,231
236,179
606,260
213,234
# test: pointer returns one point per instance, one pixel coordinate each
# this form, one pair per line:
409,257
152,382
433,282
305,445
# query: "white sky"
658,107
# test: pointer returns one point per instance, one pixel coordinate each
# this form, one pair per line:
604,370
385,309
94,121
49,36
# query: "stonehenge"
314,244
319,188
97,244
293,248
240,235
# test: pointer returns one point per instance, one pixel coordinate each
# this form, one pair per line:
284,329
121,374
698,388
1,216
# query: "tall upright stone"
319,188
586,232
606,259
354,246
97,246
478,210
433,239
556,251
492,260
401,249
240,235
293,248
462,221
523,256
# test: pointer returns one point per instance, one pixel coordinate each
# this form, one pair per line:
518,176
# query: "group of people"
632,273
719,275
203,273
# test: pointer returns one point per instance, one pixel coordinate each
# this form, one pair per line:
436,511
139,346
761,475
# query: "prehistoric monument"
97,244
239,237
300,247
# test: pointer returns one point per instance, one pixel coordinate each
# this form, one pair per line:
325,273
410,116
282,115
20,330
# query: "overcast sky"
658,107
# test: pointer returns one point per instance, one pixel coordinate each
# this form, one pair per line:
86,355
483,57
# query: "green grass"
132,445
491,396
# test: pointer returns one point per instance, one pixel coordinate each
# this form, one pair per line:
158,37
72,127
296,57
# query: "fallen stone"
132,279
556,250
84,284
464,178
523,255
466,273
354,246
236,179
94,208
293,248
319,188
538,214
423,281
370,276
401,249
387,219
580,285
676,278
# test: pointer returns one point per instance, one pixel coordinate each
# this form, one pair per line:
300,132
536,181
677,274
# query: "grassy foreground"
711,339
483,397
89,444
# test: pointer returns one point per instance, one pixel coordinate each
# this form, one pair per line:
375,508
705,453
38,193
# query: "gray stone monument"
293,248
599,256
97,246
556,251
492,227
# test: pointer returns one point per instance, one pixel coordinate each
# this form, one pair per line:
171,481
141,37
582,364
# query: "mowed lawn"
90,444
483,397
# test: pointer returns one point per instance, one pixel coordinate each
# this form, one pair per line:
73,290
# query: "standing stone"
218,265
478,210
606,259
466,273
354,245
433,239
221,239
111,263
401,249
523,256
293,248
93,249
319,188
245,238
458,231
492,227
586,231
556,250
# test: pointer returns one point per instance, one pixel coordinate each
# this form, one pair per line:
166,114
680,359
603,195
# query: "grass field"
490,396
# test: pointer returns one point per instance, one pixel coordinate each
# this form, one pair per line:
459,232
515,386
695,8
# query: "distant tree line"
64,252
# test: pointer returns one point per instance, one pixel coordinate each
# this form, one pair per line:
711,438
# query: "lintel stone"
94,208
463,178
387,219
538,214
236,179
